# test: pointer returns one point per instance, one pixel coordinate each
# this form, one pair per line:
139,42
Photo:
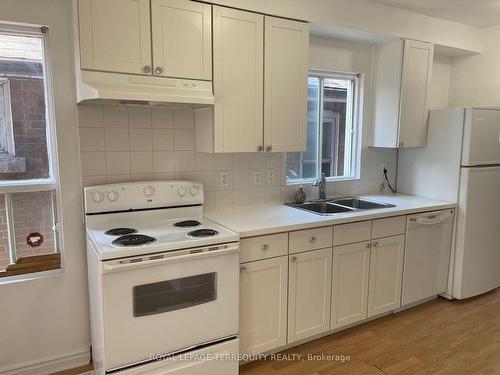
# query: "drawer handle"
293,259
312,239
243,268
265,247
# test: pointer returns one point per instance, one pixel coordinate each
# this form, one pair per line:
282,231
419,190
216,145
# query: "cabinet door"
115,35
351,268
415,88
182,39
286,70
309,294
386,271
263,305
238,80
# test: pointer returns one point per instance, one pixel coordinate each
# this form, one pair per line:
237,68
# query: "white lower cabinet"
386,270
263,304
351,269
309,294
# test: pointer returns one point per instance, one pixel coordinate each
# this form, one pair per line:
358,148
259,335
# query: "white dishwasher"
427,255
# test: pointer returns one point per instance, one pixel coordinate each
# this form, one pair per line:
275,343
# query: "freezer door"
481,145
477,254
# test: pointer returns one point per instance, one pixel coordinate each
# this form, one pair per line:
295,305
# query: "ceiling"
480,13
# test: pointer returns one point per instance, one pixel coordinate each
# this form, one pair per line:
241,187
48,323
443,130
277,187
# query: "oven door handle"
117,266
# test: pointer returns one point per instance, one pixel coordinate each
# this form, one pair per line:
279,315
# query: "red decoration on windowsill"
34,239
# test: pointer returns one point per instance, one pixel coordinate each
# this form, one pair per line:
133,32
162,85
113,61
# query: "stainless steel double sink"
339,205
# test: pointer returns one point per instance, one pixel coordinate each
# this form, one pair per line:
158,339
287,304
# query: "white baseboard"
49,365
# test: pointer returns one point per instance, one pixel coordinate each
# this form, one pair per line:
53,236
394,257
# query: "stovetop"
123,235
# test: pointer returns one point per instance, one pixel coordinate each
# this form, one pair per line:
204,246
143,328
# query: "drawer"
352,233
310,239
263,247
391,226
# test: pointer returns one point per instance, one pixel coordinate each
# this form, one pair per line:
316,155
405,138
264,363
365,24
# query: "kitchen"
192,158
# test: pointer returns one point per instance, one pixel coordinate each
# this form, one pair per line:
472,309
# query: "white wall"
45,319
441,81
368,17
476,79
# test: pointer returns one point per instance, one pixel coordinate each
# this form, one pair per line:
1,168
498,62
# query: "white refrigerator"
461,163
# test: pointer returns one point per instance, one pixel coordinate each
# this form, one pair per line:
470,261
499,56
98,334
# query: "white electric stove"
163,280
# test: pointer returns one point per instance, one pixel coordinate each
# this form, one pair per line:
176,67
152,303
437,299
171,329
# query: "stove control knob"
182,191
194,190
148,190
113,195
97,197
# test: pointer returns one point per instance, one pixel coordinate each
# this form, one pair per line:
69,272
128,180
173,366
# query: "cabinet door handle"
293,259
269,148
243,269
265,247
146,69
375,244
312,239
260,148
368,245
158,70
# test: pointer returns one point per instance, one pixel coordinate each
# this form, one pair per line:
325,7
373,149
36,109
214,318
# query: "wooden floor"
440,337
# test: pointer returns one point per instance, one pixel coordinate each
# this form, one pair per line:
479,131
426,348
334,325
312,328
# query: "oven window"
174,294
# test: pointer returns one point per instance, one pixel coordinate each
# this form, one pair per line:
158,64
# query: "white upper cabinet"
238,80
115,35
386,272
182,39
260,85
402,77
285,96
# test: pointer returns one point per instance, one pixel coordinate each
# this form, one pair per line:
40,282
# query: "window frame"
7,135
51,184
353,118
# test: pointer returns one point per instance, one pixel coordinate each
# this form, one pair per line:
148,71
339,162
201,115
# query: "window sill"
328,180
32,265
12,164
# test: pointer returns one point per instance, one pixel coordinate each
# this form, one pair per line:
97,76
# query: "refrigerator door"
481,145
477,253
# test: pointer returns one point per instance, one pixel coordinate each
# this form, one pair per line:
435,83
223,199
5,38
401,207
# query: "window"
332,130
28,183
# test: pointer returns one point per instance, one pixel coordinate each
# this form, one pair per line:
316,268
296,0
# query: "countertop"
259,220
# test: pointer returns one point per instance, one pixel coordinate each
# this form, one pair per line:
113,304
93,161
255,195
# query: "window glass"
331,143
23,124
31,228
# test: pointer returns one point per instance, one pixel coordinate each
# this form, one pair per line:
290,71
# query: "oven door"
164,303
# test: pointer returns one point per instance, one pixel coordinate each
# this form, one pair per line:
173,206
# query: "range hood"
99,87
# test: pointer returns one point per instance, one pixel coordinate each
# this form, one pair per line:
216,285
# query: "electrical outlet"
258,177
271,176
224,179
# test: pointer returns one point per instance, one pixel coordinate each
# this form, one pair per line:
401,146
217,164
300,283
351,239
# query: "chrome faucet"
321,184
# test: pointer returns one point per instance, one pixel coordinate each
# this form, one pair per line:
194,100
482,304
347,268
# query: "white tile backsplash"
163,139
115,117
144,143
139,117
141,139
